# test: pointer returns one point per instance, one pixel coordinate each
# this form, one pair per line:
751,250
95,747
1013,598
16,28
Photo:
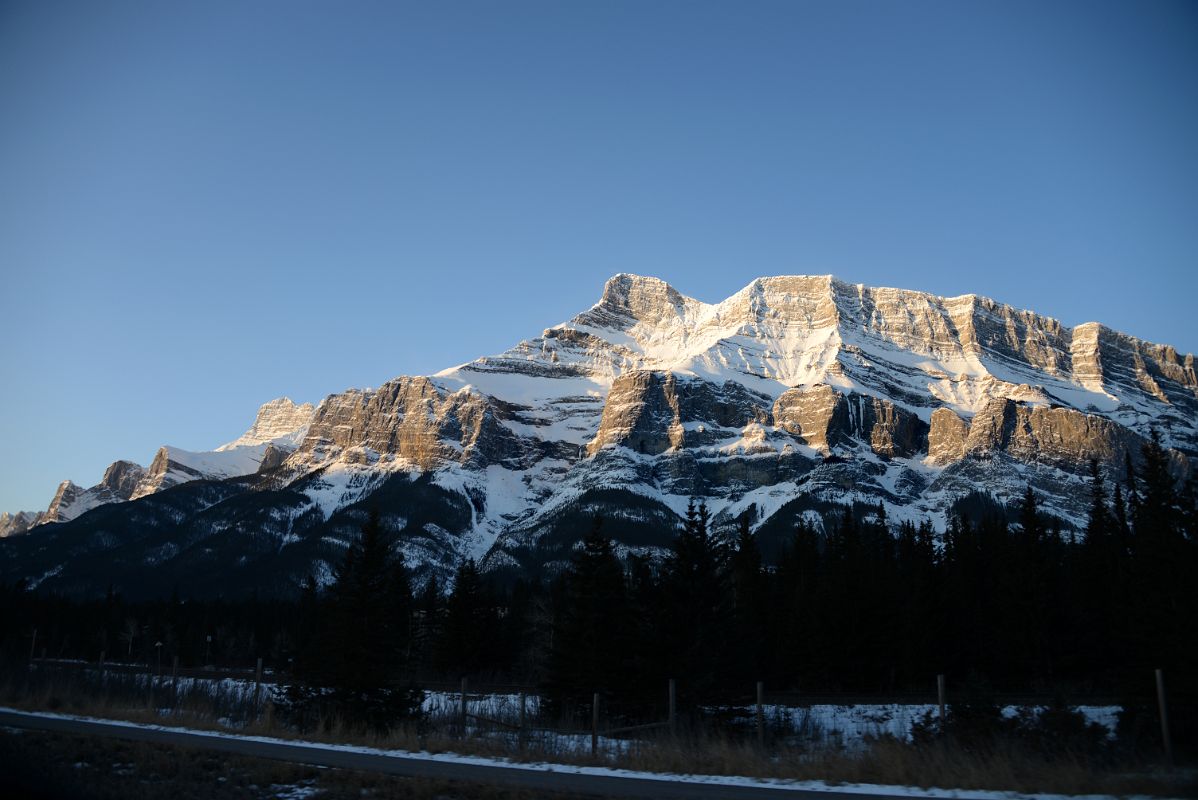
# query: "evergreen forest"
857,606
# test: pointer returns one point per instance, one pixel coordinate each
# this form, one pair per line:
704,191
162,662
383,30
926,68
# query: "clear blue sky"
207,205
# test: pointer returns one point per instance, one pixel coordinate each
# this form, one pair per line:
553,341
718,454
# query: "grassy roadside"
998,766
40,766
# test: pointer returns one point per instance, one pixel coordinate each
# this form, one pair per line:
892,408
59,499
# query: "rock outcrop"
410,421
64,504
121,479
1059,436
277,429
652,412
825,418
18,523
280,422
947,437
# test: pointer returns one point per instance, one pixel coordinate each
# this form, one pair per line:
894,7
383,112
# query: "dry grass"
40,765
1002,765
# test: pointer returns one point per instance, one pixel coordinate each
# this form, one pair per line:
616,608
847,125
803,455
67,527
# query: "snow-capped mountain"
792,394
19,522
278,427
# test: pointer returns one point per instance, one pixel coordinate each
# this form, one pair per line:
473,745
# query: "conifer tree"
796,592
1099,522
695,589
466,635
750,606
589,643
360,644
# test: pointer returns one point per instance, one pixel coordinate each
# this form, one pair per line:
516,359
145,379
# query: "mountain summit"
792,395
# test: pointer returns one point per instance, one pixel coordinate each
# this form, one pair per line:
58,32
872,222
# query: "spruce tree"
750,606
798,662
466,635
589,643
695,588
359,648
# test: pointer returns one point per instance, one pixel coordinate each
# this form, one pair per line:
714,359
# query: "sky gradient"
204,206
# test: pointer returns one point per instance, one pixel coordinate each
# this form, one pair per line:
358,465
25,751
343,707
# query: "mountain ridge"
794,390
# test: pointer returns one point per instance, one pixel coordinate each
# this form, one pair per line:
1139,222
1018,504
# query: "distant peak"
642,298
625,287
278,419
280,404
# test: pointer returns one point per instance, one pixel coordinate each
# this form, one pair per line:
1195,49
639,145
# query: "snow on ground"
294,791
608,772
845,725
853,724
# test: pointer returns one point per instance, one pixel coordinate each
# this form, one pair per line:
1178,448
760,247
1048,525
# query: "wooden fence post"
594,724
175,682
1164,709
940,698
523,719
463,709
673,708
102,654
33,647
257,685
760,714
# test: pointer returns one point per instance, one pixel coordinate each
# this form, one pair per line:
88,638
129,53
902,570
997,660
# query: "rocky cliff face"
121,479
120,483
277,429
793,393
18,523
280,422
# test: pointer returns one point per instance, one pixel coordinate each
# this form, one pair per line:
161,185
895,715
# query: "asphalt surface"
535,780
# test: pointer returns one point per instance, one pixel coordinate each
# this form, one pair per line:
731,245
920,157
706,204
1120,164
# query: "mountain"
792,395
279,426
19,522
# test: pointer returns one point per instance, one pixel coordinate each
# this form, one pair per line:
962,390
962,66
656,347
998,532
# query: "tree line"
858,604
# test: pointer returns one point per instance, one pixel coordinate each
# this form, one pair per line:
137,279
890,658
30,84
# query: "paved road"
536,780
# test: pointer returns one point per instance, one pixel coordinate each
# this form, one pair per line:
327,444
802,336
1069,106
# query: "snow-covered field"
835,725
850,724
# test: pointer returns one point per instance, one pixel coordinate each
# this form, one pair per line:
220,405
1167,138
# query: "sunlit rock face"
1060,436
120,483
278,427
18,523
279,422
794,393
410,422
947,437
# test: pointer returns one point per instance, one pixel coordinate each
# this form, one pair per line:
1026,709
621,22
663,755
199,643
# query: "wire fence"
524,716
